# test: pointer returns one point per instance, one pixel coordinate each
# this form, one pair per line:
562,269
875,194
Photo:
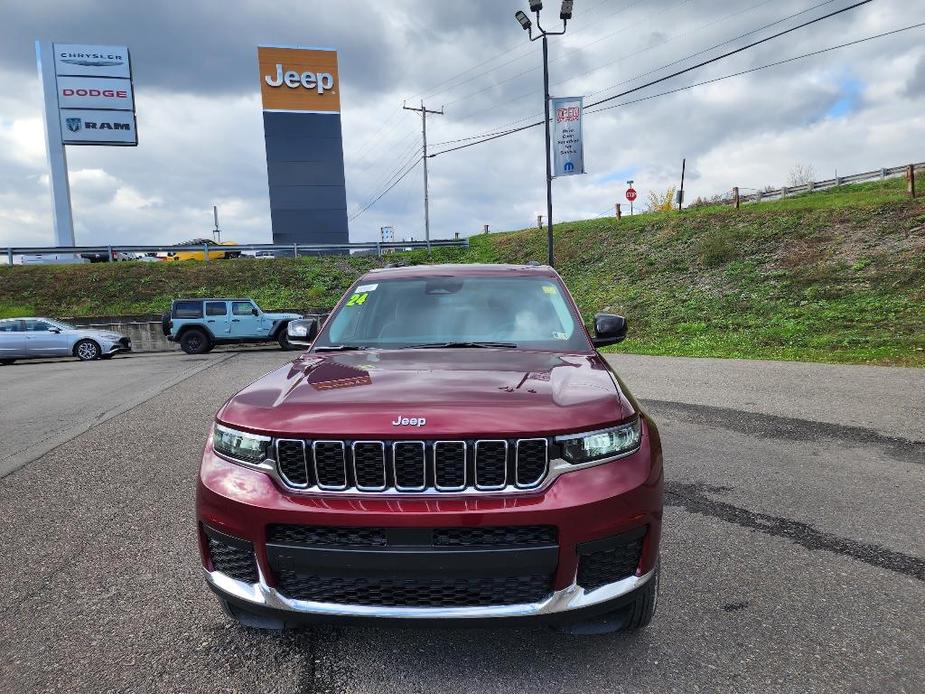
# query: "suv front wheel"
195,341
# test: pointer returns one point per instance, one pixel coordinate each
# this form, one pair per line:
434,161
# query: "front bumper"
122,345
587,508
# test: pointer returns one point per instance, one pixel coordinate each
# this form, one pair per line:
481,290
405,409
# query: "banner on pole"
567,142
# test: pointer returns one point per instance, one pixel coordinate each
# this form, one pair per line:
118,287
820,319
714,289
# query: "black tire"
283,339
640,612
195,341
6,362
165,324
87,350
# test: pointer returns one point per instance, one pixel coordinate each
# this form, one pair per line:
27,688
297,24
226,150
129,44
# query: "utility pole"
216,232
424,111
681,192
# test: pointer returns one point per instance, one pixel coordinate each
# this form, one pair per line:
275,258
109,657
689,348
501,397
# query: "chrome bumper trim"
572,598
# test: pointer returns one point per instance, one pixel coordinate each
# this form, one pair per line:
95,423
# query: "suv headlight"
606,443
240,445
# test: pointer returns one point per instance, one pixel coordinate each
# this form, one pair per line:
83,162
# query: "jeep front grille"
412,466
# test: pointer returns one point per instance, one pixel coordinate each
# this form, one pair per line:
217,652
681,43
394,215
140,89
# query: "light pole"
565,14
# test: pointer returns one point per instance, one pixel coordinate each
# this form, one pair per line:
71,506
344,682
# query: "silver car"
36,338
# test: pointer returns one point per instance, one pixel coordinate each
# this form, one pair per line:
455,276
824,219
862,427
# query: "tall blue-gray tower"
300,88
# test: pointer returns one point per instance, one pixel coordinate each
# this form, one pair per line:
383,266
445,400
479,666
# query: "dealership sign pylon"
89,100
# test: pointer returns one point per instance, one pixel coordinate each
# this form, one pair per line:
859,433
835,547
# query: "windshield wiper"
339,348
462,345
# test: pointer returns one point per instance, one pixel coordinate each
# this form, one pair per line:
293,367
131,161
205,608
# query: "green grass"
836,276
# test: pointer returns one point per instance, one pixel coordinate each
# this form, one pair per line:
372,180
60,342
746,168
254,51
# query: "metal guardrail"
285,250
828,183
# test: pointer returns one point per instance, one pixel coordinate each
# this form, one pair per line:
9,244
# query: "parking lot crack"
790,428
694,499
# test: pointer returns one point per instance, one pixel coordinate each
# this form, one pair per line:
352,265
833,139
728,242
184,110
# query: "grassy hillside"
832,276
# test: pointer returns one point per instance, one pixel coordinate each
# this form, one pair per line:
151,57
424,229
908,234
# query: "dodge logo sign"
73,124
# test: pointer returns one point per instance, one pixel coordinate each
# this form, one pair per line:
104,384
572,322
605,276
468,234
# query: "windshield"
526,312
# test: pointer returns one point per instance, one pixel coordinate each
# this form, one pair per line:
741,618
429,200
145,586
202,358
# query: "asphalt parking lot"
793,551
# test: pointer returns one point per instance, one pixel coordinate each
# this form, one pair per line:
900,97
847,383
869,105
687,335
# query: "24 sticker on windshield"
358,299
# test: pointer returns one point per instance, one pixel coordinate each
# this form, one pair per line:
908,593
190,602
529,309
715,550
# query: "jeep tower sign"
300,91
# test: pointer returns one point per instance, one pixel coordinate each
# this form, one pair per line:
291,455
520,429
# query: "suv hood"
458,392
281,316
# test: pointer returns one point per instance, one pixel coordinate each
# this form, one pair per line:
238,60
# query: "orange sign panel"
299,79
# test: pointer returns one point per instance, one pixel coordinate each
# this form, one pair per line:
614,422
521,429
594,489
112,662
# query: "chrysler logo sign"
91,59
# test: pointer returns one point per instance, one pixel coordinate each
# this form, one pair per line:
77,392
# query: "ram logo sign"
91,127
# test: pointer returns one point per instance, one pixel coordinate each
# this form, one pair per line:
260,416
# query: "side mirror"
302,332
255,312
609,329
56,331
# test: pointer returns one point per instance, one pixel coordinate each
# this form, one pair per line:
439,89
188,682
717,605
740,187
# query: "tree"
662,202
801,175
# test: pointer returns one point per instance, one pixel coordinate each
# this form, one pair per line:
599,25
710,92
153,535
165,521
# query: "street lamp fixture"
527,25
524,20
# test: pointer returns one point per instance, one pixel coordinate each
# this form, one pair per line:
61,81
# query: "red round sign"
631,194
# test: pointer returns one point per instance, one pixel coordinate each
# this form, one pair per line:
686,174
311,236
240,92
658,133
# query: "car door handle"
210,321
235,320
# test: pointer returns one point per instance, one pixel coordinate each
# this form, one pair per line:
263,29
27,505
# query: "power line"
507,126
735,51
403,160
383,193
506,52
671,76
762,67
561,57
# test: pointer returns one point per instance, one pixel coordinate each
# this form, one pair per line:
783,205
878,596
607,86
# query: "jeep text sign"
93,127
95,92
567,143
299,79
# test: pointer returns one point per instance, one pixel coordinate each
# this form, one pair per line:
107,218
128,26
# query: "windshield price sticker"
365,288
358,299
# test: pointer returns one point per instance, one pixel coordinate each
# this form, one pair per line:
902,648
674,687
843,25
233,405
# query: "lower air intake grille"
236,562
311,535
506,536
416,592
599,568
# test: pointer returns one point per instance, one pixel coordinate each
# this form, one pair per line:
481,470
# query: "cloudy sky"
201,132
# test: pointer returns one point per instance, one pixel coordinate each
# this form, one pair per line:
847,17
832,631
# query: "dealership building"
300,89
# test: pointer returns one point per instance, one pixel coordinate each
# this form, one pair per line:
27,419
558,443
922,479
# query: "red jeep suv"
451,447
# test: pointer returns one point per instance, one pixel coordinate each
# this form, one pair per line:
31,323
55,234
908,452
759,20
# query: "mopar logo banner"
568,147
